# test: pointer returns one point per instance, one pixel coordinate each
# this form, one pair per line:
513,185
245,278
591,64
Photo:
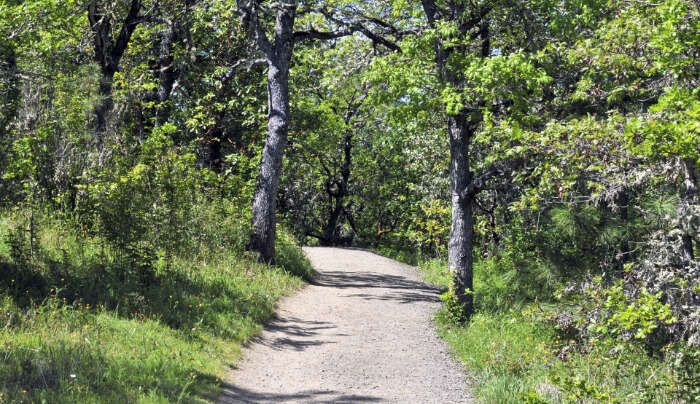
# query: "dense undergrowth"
82,322
515,350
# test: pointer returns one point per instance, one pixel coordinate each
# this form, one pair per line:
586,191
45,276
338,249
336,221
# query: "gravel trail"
361,333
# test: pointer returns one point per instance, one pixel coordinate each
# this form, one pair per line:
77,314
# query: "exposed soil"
361,333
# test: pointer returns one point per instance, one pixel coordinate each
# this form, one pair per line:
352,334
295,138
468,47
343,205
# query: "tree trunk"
262,238
460,128
102,108
9,79
461,243
10,96
108,54
167,74
337,196
688,195
329,234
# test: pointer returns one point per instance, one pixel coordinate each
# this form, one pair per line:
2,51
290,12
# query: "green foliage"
672,129
290,257
582,108
82,327
577,389
618,316
686,365
453,310
516,354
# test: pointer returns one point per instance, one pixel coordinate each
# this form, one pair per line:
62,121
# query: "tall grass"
79,323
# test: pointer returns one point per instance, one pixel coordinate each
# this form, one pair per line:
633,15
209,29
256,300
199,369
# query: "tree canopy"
553,144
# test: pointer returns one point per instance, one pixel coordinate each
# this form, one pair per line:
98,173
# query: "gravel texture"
361,333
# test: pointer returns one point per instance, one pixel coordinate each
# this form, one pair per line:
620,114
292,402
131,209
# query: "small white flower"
72,376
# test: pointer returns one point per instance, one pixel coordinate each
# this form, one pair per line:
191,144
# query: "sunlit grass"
77,325
516,355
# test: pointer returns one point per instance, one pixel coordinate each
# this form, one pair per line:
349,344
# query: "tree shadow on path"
292,333
394,287
235,394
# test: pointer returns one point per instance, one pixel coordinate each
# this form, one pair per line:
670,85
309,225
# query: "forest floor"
363,331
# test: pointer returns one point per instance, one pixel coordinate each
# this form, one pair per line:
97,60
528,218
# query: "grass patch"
80,323
516,355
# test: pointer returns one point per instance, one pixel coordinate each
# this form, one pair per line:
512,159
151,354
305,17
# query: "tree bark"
623,201
102,108
461,243
108,54
278,55
10,95
460,128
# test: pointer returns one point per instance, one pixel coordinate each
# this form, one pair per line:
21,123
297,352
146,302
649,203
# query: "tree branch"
130,23
248,63
247,10
479,183
320,35
350,27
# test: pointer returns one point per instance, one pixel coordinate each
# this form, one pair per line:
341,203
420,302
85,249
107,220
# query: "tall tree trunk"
687,200
329,233
461,129
108,54
461,243
262,238
337,196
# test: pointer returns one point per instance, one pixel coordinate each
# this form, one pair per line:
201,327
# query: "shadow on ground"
236,394
395,287
294,333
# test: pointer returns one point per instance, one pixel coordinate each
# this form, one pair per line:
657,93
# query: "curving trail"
361,333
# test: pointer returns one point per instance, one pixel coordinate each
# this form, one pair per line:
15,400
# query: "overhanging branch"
350,27
321,35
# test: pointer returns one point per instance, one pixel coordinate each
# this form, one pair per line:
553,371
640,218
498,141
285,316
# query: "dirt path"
362,333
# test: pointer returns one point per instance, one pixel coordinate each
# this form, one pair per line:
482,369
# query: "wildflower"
72,376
